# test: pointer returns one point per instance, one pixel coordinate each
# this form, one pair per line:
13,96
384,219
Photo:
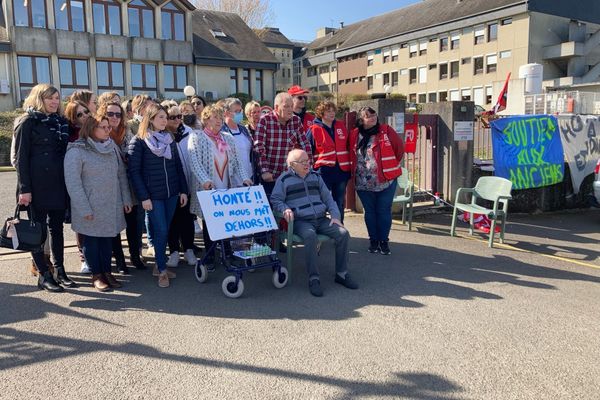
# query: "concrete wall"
6,99
217,79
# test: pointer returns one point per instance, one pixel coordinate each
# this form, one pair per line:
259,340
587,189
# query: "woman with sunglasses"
377,151
97,199
85,97
121,135
181,230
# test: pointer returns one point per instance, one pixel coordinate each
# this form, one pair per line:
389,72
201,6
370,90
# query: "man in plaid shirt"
276,135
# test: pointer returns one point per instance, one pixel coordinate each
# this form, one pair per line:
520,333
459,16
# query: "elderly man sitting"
301,195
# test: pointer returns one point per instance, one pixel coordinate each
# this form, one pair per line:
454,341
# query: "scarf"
160,144
102,147
366,136
180,133
54,122
222,145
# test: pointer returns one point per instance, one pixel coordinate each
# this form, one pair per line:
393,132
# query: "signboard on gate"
411,132
236,212
463,130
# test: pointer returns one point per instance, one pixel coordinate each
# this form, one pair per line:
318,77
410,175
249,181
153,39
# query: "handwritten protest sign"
581,142
528,150
236,212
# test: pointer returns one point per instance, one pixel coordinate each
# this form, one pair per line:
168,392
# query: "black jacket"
153,177
39,159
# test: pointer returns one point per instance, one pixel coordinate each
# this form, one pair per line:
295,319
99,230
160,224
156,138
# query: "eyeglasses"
303,162
80,114
301,97
111,114
174,117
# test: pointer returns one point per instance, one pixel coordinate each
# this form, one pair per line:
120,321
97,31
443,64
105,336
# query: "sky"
299,20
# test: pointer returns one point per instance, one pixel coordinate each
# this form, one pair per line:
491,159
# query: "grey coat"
97,184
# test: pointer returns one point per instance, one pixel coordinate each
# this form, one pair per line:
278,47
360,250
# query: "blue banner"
528,150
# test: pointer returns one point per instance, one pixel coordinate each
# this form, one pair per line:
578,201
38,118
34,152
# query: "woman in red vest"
377,152
331,149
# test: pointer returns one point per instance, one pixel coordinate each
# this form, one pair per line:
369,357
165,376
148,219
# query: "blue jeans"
378,211
160,219
148,229
338,192
97,252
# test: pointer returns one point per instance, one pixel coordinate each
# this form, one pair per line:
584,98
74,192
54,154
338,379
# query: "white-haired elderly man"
276,134
300,194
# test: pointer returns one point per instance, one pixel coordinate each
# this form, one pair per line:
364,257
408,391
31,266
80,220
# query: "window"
455,41
312,71
465,95
175,77
331,48
323,69
432,98
30,13
422,74
505,54
107,17
479,35
422,98
369,82
465,61
377,76
143,79
395,54
258,87
386,55
141,19
432,66
404,71
477,65
492,32
412,98
218,33
386,79
443,43
69,15
73,75
233,81
478,96
319,51
506,21
423,48
334,87
412,75
173,22
32,70
333,68
395,78
443,96
246,81
110,76
443,71
454,69
412,50
488,95
370,59
454,95
491,62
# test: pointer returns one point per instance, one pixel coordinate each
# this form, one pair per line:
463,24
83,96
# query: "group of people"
106,165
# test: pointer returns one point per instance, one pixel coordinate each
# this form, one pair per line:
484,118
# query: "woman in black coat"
41,137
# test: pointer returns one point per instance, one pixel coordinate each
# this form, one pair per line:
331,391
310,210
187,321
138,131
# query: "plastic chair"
492,188
291,240
405,197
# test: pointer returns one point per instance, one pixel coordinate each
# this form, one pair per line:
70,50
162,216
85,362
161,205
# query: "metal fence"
573,102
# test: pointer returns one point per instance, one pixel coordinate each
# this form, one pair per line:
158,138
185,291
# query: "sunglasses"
81,114
174,117
111,114
301,97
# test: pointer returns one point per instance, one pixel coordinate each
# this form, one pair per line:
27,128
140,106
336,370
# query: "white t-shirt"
243,147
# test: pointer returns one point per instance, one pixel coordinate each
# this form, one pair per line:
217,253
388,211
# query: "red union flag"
501,103
411,131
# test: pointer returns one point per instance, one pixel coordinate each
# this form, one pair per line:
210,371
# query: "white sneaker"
190,257
197,228
173,260
85,268
150,251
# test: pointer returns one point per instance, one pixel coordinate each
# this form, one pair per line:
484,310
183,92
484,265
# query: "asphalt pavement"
440,318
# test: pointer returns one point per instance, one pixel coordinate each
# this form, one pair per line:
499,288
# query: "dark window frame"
111,84
454,74
30,15
443,75
144,81
477,71
246,78
490,37
232,77
74,85
370,82
444,43
34,74
106,4
174,66
394,78
141,18
69,14
412,80
172,18
258,80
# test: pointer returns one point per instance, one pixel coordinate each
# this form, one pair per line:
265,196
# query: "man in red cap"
299,102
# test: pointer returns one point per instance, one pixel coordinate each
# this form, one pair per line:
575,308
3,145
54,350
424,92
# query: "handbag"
22,234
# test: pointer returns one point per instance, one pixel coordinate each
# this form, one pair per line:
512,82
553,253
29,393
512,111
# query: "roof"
415,17
185,3
239,46
272,37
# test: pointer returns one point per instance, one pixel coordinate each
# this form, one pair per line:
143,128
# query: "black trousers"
182,229
52,223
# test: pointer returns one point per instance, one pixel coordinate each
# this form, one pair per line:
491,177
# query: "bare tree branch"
255,13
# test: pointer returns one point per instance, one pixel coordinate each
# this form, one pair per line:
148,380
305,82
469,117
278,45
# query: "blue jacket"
153,177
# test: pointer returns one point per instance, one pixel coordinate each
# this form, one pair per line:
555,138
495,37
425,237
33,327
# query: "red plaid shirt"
273,141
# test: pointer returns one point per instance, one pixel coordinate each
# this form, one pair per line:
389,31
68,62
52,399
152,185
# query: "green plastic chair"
492,188
291,240
405,197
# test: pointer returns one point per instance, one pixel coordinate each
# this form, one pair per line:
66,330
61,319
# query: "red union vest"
326,151
390,166
308,121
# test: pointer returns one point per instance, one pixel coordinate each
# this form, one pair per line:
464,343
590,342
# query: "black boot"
121,265
46,281
137,261
63,279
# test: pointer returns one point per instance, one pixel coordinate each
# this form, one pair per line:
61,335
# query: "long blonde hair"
149,114
37,95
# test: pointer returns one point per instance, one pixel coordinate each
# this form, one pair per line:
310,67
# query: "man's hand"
147,205
127,208
25,199
183,199
267,177
336,221
247,182
288,214
207,185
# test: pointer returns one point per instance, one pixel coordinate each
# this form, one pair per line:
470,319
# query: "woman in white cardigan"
213,162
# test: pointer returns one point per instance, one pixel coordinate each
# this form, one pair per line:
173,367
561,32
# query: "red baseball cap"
297,90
